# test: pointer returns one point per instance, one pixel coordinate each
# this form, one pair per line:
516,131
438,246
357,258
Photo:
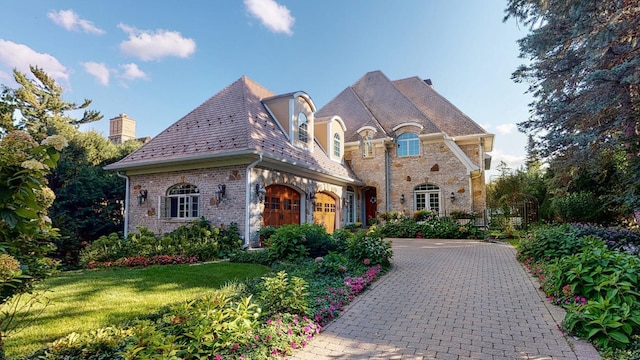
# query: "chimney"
121,129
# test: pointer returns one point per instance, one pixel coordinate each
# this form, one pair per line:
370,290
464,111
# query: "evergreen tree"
584,72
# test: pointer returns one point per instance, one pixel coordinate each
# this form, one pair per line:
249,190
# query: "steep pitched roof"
232,122
443,113
376,101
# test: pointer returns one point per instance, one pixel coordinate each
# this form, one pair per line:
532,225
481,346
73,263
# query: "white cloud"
154,45
132,72
20,56
99,70
512,161
506,128
274,16
69,20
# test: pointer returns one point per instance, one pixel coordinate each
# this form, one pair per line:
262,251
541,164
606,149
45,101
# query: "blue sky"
158,60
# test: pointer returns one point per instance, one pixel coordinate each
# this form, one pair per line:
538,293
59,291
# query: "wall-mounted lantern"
142,196
402,199
221,192
260,192
452,197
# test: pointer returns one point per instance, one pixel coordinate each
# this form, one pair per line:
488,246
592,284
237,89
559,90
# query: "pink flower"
293,345
218,357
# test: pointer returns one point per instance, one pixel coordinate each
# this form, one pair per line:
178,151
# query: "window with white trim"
367,147
181,202
350,208
337,146
408,145
303,128
427,197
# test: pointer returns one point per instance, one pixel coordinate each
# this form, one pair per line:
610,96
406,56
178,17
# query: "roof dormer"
330,133
294,113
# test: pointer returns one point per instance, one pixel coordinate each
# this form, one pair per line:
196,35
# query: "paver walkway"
449,299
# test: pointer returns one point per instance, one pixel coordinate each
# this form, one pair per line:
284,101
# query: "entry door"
281,206
325,212
371,204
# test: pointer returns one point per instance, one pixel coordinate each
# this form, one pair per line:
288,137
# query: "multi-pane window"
427,197
303,128
367,147
350,208
408,145
337,145
181,202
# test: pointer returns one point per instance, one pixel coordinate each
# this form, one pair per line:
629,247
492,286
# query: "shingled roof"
234,122
376,101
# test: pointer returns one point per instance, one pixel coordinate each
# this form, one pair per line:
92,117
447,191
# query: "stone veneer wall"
436,165
230,209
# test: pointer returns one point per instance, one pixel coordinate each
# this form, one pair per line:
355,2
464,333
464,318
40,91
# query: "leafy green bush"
198,239
431,227
279,294
370,246
294,241
341,238
334,264
549,242
609,281
577,207
615,238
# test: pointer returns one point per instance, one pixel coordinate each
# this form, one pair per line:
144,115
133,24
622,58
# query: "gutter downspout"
247,213
387,180
126,204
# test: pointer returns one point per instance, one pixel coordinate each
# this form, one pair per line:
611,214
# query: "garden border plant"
270,317
591,279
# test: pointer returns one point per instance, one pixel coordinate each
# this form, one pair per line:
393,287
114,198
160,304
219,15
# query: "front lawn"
80,301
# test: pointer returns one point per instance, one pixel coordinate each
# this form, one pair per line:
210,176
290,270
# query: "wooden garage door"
325,212
281,206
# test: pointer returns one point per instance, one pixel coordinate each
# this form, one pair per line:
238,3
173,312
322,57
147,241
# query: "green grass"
88,299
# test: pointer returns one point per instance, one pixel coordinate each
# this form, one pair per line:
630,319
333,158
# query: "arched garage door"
325,212
281,206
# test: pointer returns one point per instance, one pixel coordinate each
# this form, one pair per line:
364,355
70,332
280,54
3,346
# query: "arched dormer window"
337,146
408,145
181,202
303,128
367,147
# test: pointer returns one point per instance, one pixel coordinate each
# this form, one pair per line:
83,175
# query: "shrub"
341,238
372,246
281,295
615,238
609,281
199,239
549,242
424,215
294,241
577,207
334,264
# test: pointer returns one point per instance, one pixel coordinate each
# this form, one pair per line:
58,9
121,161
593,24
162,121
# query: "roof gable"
443,113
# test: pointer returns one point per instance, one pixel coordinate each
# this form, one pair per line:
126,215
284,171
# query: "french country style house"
251,157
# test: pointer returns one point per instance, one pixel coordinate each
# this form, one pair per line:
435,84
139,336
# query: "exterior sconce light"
311,195
142,196
452,197
402,199
221,192
260,192
345,201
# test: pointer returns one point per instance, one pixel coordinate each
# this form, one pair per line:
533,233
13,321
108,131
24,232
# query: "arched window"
427,197
181,202
367,147
303,128
337,145
408,145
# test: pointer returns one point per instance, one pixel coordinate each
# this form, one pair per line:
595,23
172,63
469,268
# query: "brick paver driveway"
449,299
